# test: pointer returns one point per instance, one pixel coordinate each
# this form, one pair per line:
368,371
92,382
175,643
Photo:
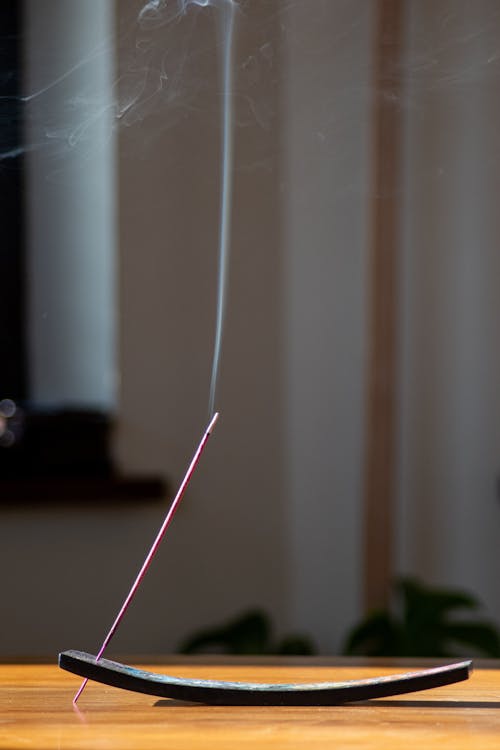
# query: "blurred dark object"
422,622
61,456
250,633
63,443
13,334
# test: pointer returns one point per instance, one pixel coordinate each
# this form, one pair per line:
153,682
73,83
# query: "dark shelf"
87,490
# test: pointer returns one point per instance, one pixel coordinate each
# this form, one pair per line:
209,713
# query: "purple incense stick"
155,545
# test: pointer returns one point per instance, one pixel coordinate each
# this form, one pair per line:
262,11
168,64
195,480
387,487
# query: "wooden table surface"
36,711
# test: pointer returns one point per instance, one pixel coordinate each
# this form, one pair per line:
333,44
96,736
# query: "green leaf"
482,636
422,622
294,645
247,634
430,605
376,636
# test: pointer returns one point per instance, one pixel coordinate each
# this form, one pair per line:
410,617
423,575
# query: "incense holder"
217,692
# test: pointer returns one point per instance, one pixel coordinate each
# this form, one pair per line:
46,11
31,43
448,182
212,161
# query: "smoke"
57,107
161,12
226,29
158,14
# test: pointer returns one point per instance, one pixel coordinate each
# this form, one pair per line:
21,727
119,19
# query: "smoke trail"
227,33
158,13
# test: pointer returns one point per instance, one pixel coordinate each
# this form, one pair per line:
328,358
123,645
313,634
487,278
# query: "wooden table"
36,711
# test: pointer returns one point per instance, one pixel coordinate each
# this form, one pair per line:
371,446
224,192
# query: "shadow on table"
171,703
429,704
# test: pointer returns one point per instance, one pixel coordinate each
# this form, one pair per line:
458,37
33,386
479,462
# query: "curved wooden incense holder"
217,692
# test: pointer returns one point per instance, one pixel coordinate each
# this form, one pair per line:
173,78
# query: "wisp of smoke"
157,13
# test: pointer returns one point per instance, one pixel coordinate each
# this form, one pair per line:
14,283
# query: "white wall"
326,201
450,429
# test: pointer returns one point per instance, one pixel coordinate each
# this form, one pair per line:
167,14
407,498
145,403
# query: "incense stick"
155,545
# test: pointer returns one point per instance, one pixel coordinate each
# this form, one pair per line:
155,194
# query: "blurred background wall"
274,515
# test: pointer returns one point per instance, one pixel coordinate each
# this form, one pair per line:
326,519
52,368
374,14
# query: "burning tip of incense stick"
212,423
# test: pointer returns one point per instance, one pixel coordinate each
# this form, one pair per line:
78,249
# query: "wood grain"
36,711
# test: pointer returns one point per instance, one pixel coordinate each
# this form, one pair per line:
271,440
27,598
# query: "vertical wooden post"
382,336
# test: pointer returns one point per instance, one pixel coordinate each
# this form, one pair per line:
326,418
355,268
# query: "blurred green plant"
250,633
423,621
